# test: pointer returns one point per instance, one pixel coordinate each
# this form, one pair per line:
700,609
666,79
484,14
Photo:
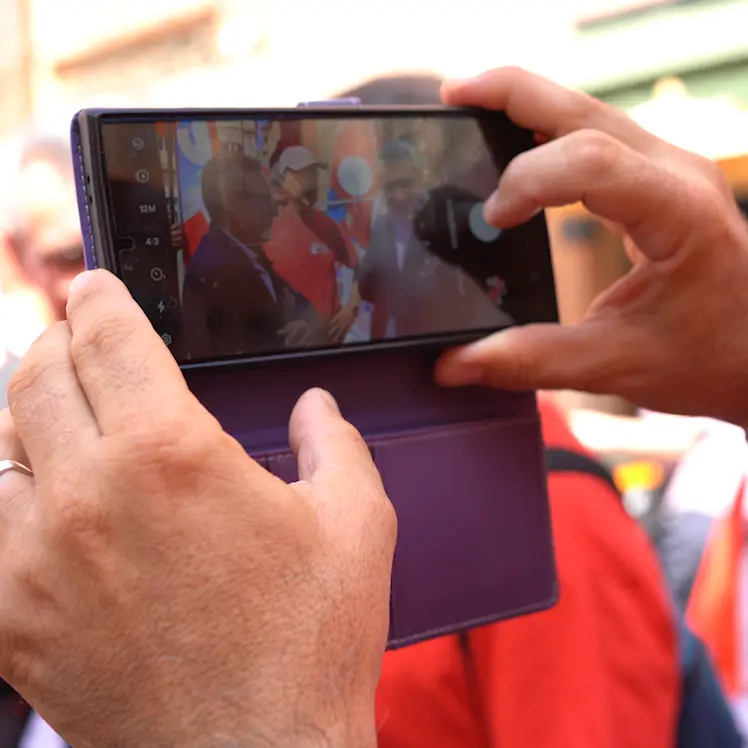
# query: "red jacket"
600,670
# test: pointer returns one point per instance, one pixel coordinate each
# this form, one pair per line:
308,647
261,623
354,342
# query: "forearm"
354,299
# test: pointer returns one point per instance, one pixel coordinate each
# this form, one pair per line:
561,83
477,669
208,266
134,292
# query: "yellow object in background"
641,475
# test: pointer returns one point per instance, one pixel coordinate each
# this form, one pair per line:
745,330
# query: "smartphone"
345,248
253,234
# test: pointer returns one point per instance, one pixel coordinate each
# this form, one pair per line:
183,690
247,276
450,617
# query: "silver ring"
7,465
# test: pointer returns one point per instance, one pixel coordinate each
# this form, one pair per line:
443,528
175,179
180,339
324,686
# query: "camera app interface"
268,236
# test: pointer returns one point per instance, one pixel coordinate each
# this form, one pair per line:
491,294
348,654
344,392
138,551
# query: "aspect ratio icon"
142,176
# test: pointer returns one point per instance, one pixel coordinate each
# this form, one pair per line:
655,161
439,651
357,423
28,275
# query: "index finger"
540,105
123,366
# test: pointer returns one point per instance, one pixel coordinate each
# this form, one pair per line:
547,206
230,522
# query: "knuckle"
78,514
389,519
35,369
108,333
170,449
347,432
714,175
594,152
73,508
512,75
706,198
583,108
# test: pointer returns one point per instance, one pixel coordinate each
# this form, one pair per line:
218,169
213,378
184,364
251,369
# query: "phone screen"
276,235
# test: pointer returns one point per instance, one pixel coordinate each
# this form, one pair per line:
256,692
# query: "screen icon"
142,176
157,274
138,144
479,227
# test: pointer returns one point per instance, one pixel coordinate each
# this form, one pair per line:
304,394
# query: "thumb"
593,356
331,453
338,474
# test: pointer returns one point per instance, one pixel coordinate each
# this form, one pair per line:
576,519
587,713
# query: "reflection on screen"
263,237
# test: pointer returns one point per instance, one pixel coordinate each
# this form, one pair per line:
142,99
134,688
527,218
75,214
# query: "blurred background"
680,67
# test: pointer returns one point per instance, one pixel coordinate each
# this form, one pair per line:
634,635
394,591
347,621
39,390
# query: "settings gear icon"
167,339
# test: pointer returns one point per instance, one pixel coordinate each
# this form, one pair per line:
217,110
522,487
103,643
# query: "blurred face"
302,187
401,186
50,249
250,207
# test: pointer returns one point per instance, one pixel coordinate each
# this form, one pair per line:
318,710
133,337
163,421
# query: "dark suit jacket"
427,296
408,295
227,306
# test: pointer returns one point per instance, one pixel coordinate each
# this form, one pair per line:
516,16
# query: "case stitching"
84,200
423,435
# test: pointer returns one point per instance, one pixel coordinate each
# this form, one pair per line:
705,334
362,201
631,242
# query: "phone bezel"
89,123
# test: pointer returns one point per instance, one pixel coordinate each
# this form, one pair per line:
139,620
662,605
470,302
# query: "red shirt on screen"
600,670
304,252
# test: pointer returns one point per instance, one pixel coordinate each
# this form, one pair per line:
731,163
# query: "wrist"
357,728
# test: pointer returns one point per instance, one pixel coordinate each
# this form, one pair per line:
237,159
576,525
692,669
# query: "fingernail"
330,401
78,282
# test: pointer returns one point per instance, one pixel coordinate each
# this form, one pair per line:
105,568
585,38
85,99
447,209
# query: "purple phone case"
464,469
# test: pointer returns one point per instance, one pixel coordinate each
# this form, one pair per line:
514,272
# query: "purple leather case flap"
463,468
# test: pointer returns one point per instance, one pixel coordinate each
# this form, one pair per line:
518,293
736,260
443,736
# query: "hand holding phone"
261,302
403,226
152,532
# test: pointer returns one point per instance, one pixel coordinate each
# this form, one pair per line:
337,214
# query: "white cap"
296,158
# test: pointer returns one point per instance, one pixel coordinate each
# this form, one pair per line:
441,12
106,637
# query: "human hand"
298,334
292,186
670,335
176,236
157,586
342,322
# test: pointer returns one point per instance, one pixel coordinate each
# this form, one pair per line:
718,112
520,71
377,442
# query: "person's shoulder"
213,244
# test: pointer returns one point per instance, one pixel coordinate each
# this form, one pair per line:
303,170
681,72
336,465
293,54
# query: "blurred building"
60,56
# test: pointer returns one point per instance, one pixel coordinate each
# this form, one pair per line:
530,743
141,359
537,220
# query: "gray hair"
52,150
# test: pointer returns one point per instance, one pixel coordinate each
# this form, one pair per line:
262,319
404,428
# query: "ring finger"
16,488
11,447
